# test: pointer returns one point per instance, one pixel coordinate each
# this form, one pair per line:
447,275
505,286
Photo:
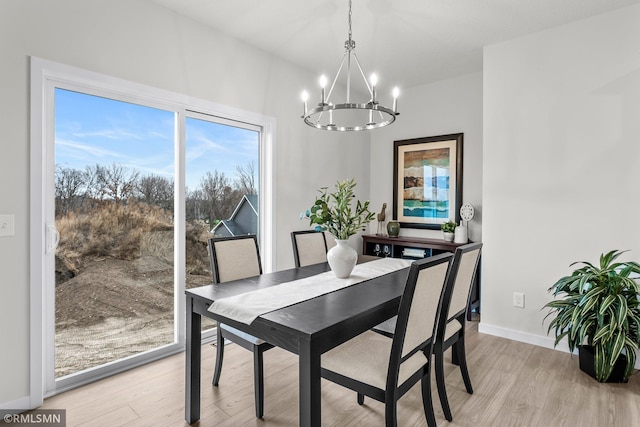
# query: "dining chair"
451,329
331,241
383,369
309,247
234,258
452,325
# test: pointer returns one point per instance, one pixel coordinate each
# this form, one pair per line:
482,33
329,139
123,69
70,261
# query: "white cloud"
79,149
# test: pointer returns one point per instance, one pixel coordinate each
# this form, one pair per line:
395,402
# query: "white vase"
342,258
460,234
448,237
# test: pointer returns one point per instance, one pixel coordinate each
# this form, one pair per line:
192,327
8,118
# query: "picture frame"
438,161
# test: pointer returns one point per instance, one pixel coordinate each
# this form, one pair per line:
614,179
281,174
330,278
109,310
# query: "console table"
416,248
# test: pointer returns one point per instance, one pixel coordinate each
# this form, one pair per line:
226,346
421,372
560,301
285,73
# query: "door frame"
45,76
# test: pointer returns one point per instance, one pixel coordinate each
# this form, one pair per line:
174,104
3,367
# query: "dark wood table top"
325,315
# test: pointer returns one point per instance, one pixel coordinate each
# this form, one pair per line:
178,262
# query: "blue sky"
90,130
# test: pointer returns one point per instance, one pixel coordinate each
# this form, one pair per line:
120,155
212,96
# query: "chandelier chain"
349,20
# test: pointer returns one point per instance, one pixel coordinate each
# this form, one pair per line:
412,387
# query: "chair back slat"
234,258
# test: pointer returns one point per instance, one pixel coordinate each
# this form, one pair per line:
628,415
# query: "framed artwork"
427,181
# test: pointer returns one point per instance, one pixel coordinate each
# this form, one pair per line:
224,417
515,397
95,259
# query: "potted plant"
333,212
448,229
599,311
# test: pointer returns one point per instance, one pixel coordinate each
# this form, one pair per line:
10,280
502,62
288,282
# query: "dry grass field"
114,282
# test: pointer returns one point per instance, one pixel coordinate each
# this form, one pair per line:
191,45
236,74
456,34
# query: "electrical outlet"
518,299
7,227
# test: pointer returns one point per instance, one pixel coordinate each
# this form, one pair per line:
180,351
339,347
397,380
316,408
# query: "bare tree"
245,181
220,198
195,205
93,190
116,182
70,189
156,190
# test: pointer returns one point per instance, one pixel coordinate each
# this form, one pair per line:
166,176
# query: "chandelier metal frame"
379,115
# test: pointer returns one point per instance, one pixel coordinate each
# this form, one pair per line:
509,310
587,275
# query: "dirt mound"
109,287
113,309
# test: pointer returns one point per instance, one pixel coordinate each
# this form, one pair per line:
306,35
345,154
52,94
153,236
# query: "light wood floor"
515,384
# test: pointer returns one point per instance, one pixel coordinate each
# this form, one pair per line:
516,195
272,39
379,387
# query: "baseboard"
18,405
537,340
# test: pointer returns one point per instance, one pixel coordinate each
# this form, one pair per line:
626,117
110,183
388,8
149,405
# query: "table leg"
309,385
193,365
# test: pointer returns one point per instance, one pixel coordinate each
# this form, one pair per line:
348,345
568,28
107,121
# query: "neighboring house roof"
237,224
251,200
231,226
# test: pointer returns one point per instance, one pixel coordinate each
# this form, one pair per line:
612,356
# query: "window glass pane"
221,190
114,199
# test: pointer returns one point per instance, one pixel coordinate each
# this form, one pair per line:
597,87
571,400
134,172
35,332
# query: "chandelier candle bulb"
323,84
305,97
395,93
374,82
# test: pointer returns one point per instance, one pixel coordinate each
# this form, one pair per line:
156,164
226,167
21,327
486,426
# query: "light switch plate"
518,299
7,227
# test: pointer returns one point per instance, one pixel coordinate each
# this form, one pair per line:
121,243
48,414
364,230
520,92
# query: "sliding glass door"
114,212
131,188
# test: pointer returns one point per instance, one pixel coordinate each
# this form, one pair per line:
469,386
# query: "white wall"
147,44
445,107
561,161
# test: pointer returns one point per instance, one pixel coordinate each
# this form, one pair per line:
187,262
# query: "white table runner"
245,308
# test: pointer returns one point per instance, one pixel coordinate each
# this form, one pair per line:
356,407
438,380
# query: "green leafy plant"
333,212
448,227
599,306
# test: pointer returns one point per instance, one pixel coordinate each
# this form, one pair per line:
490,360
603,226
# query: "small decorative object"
460,234
376,250
386,250
462,231
599,313
448,229
332,212
393,228
381,218
466,212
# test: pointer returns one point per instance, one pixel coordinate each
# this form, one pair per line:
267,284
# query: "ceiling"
406,42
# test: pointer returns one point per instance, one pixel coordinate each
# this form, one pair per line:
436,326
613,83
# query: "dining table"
307,328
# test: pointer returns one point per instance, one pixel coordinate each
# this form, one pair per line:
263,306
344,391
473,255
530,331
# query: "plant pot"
586,356
448,237
342,259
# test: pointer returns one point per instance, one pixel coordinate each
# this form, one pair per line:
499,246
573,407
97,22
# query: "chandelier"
349,116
